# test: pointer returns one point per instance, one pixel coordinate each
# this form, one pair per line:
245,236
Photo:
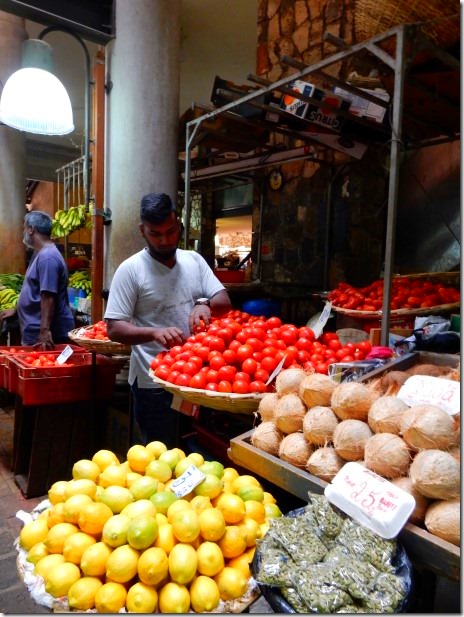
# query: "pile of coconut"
317,425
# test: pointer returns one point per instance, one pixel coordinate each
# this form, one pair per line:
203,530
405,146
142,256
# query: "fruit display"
318,425
238,353
67,221
80,280
116,536
407,293
96,331
10,286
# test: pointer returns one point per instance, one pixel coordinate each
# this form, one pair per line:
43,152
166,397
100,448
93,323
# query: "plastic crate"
6,351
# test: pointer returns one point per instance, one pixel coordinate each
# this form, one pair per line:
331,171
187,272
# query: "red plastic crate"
6,351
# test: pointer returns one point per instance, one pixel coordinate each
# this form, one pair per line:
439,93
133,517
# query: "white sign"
64,355
324,316
371,500
184,484
421,389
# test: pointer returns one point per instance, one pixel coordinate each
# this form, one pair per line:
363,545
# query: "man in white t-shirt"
156,299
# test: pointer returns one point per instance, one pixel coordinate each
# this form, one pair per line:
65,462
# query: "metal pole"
393,182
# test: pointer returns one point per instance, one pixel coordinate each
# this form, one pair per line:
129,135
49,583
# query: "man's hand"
200,313
7,313
45,340
168,337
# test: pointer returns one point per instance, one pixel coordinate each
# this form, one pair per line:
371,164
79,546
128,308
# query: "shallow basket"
110,348
233,403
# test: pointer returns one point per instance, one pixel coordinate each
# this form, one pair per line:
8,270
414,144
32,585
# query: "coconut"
385,414
455,452
387,455
289,380
435,474
267,405
295,449
266,436
352,400
289,414
324,463
392,381
443,520
430,370
350,437
433,428
316,389
319,424
422,503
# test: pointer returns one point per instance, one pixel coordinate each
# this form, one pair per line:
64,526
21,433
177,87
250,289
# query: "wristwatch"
202,301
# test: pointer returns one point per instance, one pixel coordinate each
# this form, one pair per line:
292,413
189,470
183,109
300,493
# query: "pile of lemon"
116,535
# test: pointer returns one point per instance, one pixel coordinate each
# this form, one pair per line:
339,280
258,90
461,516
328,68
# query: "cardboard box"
374,337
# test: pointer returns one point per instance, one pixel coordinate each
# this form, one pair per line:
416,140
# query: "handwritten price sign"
444,393
184,484
370,499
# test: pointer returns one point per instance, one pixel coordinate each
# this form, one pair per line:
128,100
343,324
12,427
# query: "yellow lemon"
196,458
73,505
268,498
161,519
160,470
131,477
153,566
232,507
242,563
232,583
122,564
171,457
127,467
75,546
232,543
116,498
156,448
177,506
162,500
204,594
255,510
141,598
264,528
210,559
85,469
250,552
142,531
113,475
210,487
33,532
114,531
43,567
251,492
212,524
103,458
230,474
81,594
180,452
56,536
185,525
166,538
138,458
161,487
98,492
182,563
55,514
94,558
174,598
243,481
56,492
44,513
110,598
37,552
251,530
214,467
272,510
80,487
139,508
182,466
144,487
93,516
60,578
200,503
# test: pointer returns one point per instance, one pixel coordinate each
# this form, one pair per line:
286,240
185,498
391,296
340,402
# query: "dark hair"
156,207
40,221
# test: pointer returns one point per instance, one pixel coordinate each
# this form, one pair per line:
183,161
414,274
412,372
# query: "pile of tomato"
407,293
238,353
97,331
40,359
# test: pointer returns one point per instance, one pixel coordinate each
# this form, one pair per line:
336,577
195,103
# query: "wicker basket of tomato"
415,294
95,338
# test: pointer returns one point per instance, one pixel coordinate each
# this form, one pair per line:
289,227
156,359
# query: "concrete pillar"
12,156
142,118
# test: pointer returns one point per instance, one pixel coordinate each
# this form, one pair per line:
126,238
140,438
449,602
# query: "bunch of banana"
67,221
12,281
8,299
80,280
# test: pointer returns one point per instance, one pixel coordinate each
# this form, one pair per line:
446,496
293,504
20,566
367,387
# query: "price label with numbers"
64,355
420,389
370,499
184,484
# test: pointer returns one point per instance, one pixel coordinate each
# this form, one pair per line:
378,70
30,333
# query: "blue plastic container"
74,295
268,308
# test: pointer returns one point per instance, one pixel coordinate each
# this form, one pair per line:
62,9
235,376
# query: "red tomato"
316,357
335,344
212,354
269,352
162,371
240,386
269,364
224,386
212,376
364,346
211,386
153,364
203,352
226,334
321,367
281,345
302,357
347,358
305,332
200,337
249,366
244,352
227,373
198,381
273,322
190,368
216,362
261,375
217,344
359,355
229,356
183,380
169,360
234,345
257,386
288,336
185,355
178,366
349,347
242,376
257,332
204,369
257,355
255,343
173,375
304,344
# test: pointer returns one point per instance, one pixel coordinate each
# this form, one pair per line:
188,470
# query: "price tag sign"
324,316
277,370
184,484
64,355
420,389
371,500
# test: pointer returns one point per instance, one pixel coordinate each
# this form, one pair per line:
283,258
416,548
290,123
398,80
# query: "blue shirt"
46,272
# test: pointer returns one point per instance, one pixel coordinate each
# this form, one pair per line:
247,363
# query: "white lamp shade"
35,101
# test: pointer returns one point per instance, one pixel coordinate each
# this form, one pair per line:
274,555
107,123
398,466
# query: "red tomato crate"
6,351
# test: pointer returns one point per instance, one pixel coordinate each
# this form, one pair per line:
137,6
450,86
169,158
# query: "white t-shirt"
150,294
